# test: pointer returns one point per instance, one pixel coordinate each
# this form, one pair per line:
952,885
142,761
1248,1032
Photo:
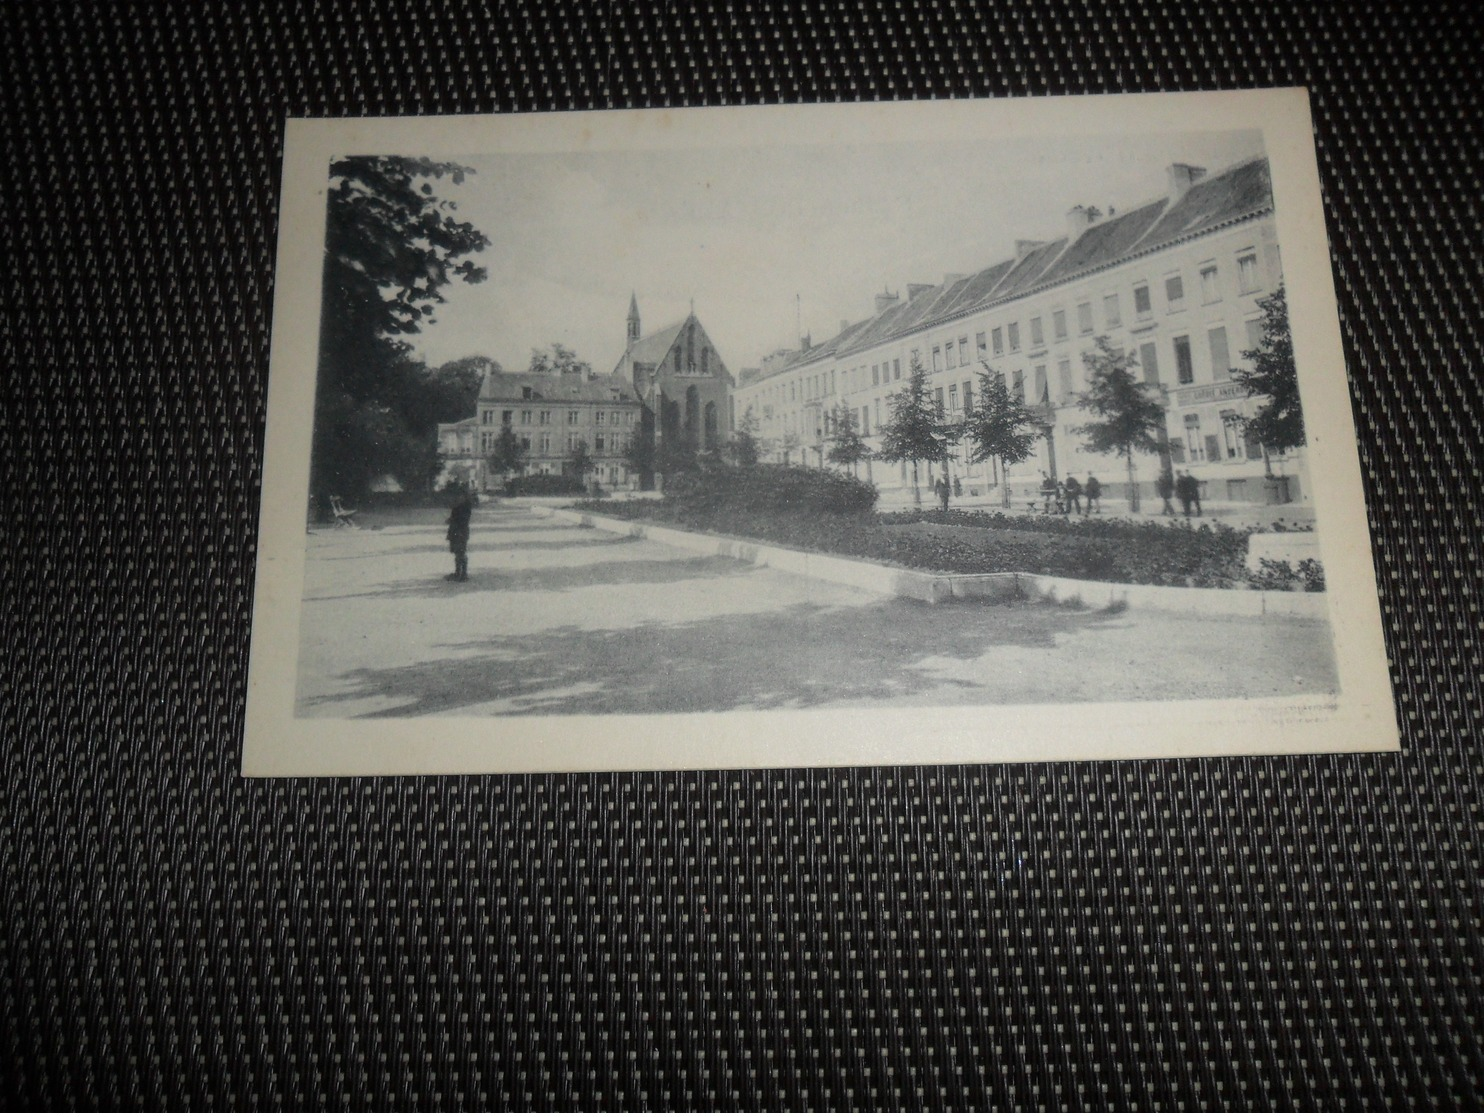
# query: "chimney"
1078,218
885,301
952,277
1024,248
1182,176
915,289
806,341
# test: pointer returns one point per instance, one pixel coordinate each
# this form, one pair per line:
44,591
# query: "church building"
683,384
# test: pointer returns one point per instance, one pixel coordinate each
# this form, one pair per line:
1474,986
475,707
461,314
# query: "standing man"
1094,491
942,490
1165,487
458,536
1073,489
1185,489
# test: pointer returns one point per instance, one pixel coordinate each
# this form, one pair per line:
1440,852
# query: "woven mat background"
1218,933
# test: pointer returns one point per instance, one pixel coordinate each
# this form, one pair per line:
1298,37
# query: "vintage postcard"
832,435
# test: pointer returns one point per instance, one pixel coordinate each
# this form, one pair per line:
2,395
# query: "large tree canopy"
391,246
1129,415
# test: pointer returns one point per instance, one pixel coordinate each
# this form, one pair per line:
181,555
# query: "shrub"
1311,573
1273,574
727,491
545,484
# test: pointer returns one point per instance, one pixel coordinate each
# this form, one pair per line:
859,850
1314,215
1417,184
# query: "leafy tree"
391,247
914,431
744,448
1279,423
999,425
580,463
847,448
638,455
560,361
508,455
1130,414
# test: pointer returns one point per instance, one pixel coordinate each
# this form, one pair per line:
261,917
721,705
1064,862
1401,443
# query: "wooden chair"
344,517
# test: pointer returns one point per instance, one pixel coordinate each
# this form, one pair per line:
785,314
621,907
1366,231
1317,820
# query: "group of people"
1066,497
1182,486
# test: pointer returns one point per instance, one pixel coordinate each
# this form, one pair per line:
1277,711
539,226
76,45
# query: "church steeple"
633,319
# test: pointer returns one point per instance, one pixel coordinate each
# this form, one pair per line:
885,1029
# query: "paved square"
563,619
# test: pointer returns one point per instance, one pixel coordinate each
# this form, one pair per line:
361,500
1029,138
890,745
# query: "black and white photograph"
686,438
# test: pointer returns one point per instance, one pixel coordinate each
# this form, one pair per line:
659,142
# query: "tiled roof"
509,387
1238,192
651,348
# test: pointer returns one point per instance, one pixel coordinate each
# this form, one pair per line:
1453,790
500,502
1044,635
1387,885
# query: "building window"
525,442
865,422
981,347
938,401
600,443
968,396
1064,378
1143,305
525,416
896,369
949,363
598,417
1184,366
546,418
506,418
1084,318
1111,313
1254,333
546,443
1210,284
1193,438
1037,337
1231,430
1040,385
963,350
875,375
937,358
877,404
953,397
571,443
1014,331
572,419
1220,358
999,342
1175,293
1149,358
1247,272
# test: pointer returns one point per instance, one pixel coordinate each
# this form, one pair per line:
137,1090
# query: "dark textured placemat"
1266,932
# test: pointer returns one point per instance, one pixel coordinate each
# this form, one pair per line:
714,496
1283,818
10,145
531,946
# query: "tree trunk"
1004,484
1133,488
916,489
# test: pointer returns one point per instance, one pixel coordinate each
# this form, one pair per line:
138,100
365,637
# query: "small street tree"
999,426
847,448
1130,415
580,462
1279,423
743,448
508,455
559,361
914,431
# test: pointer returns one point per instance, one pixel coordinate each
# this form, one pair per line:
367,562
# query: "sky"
765,243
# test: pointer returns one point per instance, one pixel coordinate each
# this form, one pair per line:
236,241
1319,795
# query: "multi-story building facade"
1174,282
550,415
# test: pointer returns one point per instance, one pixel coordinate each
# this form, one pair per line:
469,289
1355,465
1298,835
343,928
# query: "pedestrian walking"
1188,489
1094,492
1048,492
1073,490
458,536
1165,487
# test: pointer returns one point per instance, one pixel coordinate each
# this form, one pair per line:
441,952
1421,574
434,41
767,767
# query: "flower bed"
979,543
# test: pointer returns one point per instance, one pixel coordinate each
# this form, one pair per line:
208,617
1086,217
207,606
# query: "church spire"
633,320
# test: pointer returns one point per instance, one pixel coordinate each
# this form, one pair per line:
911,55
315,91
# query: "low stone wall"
934,589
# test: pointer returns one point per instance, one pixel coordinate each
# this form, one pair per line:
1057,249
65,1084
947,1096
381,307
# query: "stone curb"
934,589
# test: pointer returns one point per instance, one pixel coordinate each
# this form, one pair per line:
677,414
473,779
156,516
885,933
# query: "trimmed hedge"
704,496
545,484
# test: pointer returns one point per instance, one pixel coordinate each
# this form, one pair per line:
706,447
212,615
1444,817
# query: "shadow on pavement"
553,579
745,661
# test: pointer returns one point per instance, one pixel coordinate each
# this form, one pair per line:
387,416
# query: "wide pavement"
557,618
